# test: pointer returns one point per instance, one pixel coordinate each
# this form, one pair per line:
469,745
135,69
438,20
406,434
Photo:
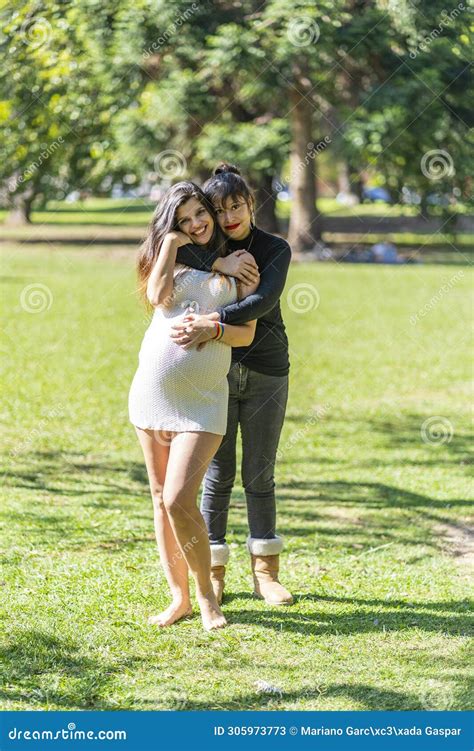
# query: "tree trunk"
200,175
304,230
343,182
266,204
424,214
20,211
356,183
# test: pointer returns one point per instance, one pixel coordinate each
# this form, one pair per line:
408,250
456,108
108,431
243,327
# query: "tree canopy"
94,92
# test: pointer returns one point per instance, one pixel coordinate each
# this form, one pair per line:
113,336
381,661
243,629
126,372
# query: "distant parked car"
410,197
413,198
376,194
435,199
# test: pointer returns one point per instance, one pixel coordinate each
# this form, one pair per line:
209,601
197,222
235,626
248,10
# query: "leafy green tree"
197,102
232,84
165,89
58,95
410,119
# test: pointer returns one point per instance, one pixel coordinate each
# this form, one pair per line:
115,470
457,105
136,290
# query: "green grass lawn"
106,220
137,211
373,493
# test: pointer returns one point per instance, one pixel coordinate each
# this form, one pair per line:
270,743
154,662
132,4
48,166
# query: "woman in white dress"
178,398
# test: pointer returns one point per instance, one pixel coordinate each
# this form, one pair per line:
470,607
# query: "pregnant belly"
175,369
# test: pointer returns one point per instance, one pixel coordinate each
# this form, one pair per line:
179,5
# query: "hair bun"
224,168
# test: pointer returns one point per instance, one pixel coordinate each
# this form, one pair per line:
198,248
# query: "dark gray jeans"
257,403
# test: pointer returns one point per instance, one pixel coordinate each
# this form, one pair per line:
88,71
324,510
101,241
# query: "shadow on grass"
367,697
315,511
70,533
39,668
368,494
361,697
437,437
75,471
70,679
390,618
305,506
68,474
461,606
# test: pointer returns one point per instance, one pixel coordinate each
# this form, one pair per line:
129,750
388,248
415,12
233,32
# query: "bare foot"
211,614
172,614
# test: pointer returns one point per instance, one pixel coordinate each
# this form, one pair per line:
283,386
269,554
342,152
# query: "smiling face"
194,220
234,218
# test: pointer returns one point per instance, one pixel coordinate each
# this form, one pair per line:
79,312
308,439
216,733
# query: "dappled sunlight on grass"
366,484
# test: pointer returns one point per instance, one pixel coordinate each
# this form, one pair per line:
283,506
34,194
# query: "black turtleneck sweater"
268,352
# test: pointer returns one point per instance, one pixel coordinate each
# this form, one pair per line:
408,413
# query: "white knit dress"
183,390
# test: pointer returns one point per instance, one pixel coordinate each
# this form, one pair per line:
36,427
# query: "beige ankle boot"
265,555
219,559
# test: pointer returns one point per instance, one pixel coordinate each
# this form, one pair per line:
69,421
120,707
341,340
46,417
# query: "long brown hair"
164,220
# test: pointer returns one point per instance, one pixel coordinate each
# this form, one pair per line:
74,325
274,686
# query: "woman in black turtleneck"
258,382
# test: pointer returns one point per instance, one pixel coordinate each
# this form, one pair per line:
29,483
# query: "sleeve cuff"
197,258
